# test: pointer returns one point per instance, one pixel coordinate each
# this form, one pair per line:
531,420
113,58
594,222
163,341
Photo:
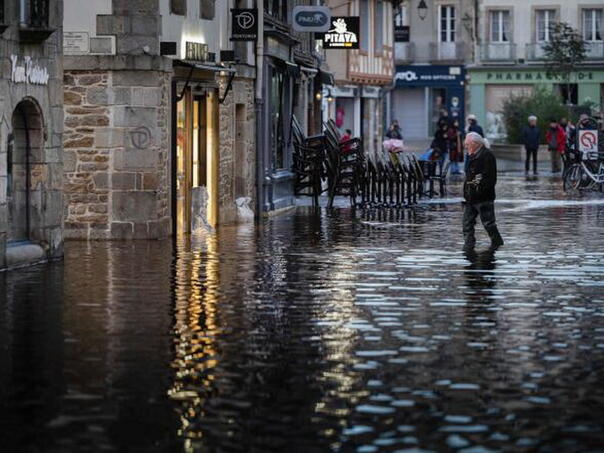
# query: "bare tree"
563,52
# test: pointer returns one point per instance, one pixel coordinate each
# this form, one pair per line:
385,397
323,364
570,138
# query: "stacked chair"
379,180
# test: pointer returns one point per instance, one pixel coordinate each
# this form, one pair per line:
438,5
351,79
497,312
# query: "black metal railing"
34,13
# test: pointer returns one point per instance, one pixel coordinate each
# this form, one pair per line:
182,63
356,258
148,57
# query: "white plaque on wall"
75,42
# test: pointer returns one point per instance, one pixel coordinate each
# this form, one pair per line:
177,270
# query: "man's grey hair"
475,137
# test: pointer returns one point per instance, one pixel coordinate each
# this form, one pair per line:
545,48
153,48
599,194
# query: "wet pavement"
342,331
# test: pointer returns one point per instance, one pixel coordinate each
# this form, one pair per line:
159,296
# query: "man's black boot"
469,242
496,239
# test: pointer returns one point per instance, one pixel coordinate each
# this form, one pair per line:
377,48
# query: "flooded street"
330,331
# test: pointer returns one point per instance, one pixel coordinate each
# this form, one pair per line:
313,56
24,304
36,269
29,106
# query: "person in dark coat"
473,125
479,192
530,139
394,131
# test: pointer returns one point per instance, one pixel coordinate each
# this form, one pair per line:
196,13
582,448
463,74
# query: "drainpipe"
260,148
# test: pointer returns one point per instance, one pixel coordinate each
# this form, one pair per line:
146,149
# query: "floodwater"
318,332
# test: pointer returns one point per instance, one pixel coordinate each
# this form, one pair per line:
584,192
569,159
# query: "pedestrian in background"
530,139
479,192
569,130
454,147
473,125
556,144
394,131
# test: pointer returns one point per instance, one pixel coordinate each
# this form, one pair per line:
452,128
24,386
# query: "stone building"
159,128
31,126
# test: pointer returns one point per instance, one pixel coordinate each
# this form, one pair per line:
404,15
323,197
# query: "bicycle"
584,170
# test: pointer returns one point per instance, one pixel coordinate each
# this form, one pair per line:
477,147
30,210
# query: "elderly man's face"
470,145
532,122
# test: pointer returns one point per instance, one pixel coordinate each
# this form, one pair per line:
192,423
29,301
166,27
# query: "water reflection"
319,331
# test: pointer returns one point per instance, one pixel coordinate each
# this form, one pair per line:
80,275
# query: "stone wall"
117,132
237,147
42,107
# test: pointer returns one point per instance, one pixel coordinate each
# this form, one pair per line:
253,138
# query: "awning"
292,69
309,70
326,78
204,67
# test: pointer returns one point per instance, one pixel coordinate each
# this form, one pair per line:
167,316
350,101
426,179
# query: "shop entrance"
196,160
24,186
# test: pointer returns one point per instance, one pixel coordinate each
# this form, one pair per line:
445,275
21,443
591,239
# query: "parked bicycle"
584,162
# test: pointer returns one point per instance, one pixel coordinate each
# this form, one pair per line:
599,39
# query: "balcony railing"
447,51
404,51
498,51
595,50
34,20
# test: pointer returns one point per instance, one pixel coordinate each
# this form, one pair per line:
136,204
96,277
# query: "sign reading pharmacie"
28,72
244,24
311,18
344,34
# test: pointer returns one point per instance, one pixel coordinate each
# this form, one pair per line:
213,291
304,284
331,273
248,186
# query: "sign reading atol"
28,72
344,34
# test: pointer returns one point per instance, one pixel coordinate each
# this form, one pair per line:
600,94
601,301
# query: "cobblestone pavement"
342,331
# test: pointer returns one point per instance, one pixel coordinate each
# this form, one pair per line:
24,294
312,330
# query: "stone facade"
31,127
237,147
117,124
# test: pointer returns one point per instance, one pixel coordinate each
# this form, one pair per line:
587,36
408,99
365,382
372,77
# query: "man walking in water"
479,192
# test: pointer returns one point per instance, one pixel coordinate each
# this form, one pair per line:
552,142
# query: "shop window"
544,19
592,25
569,93
207,9
500,26
364,25
379,27
277,86
447,23
178,7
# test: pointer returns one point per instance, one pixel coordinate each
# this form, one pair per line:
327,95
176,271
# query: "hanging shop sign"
344,34
28,72
196,51
401,33
311,18
244,24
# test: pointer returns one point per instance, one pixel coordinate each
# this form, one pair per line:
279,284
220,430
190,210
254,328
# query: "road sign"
311,18
588,143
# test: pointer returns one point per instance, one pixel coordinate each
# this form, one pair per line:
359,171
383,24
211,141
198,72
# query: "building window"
1,11
34,13
400,17
379,27
447,23
178,7
500,26
544,20
207,10
592,24
276,9
568,93
364,25
277,86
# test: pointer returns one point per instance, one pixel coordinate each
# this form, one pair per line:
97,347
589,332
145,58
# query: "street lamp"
422,9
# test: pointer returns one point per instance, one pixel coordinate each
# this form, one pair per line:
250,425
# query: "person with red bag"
556,144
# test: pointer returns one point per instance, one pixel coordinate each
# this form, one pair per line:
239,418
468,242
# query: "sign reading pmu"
244,24
344,34
311,18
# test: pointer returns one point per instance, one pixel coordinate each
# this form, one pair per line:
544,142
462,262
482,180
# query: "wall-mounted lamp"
318,96
422,9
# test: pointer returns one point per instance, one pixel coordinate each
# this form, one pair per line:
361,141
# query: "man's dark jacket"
530,137
482,162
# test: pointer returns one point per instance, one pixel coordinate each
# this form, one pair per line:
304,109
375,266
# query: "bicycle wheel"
573,178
